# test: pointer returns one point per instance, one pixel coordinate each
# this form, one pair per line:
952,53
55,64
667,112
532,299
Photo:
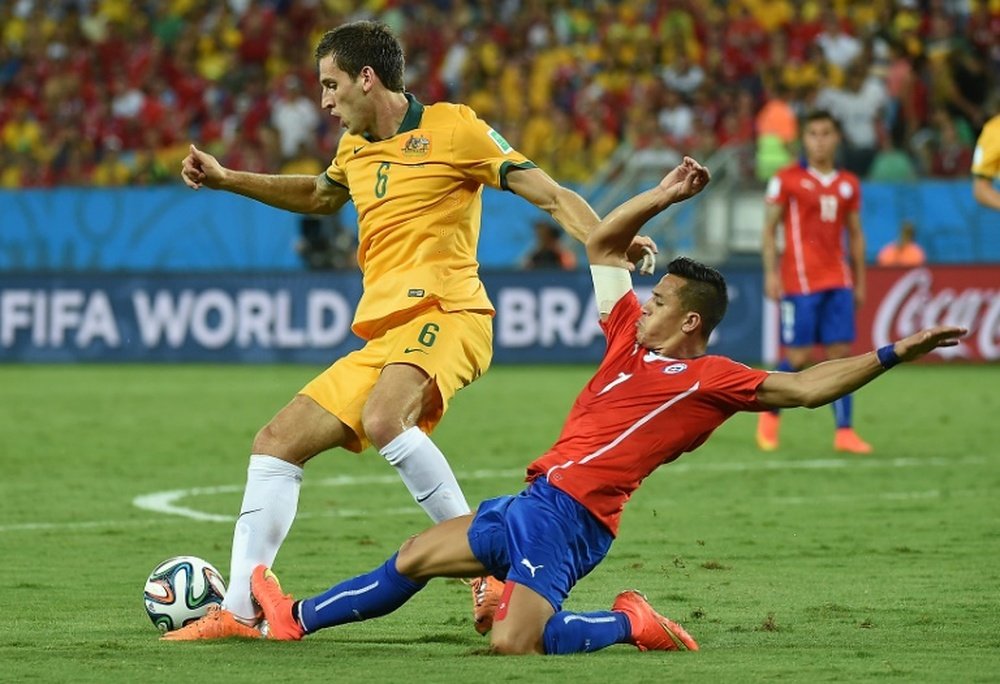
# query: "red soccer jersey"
639,411
816,209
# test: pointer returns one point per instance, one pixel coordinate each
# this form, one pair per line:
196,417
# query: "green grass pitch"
801,565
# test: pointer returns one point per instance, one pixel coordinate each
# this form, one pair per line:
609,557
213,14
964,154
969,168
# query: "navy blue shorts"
541,538
825,317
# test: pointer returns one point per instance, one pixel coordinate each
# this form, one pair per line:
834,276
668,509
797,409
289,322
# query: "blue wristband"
887,356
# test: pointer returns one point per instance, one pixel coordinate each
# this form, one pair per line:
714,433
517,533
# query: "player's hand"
916,345
200,168
686,180
772,286
642,253
859,296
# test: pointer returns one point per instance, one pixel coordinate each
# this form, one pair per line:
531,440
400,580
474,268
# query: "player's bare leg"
520,621
441,551
845,438
401,396
769,422
298,432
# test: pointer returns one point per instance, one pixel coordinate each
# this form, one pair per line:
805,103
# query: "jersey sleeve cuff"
333,183
507,166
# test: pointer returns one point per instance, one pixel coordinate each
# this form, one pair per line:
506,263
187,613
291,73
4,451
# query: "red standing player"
817,291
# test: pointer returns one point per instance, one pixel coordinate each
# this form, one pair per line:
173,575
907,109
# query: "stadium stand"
109,92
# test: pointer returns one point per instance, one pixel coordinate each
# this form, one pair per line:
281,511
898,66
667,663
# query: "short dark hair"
704,292
821,115
365,43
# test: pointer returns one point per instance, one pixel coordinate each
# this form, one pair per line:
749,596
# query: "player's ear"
368,78
692,323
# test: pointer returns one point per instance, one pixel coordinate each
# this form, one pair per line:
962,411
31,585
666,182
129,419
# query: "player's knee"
266,441
409,559
269,441
380,425
507,643
406,556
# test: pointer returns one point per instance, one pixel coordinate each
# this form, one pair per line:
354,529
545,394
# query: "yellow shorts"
453,348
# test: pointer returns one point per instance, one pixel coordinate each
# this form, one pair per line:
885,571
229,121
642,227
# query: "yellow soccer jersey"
419,201
986,160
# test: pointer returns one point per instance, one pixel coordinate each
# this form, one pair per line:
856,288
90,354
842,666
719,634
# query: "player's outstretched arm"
609,243
566,207
830,380
569,210
300,193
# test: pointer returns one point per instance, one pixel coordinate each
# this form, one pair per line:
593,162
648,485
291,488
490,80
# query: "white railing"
702,229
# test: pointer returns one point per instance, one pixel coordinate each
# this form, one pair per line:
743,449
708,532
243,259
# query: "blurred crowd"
111,92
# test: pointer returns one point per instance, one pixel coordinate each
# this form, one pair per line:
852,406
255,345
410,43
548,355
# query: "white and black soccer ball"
180,590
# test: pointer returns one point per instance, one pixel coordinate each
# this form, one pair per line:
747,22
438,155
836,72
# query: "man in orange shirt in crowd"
903,252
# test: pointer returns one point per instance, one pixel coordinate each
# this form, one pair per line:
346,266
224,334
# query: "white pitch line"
333,513
42,526
165,502
824,464
884,496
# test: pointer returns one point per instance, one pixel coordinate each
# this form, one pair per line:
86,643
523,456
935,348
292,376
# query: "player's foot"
847,440
277,607
650,630
767,430
486,593
217,623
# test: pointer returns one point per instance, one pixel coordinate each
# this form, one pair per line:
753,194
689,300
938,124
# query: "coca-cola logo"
911,305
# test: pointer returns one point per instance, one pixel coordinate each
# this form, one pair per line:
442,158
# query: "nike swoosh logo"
358,149
410,350
421,499
253,510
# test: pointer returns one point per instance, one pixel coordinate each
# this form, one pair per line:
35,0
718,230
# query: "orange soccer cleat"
486,593
846,439
277,607
218,623
650,630
767,430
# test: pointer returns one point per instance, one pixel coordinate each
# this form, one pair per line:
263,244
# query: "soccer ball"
180,590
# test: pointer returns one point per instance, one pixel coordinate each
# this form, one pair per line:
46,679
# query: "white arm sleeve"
611,283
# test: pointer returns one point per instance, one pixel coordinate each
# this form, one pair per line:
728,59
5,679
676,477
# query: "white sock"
426,473
270,500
